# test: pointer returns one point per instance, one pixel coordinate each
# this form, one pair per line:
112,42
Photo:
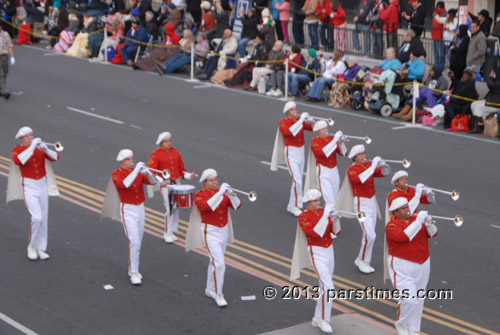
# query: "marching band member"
322,168
168,157
415,196
361,192
125,193
408,261
314,246
289,149
31,178
210,226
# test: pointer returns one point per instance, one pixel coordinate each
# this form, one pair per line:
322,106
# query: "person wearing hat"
415,17
168,157
305,75
408,261
358,189
314,246
485,21
210,226
31,178
266,26
289,149
5,51
450,23
129,183
322,161
418,195
207,18
462,88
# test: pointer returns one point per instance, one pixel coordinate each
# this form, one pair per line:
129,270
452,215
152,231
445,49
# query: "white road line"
54,54
202,86
279,166
494,226
17,325
134,126
95,115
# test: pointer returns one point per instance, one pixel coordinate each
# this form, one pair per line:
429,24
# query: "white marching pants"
171,214
294,157
329,183
369,207
216,241
133,223
411,276
323,262
36,199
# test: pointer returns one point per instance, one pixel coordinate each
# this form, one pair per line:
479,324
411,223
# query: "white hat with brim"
124,154
205,5
356,150
399,174
320,125
207,174
398,203
23,131
312,194
163,136
289,105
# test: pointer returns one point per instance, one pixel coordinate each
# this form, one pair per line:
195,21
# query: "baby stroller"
389,98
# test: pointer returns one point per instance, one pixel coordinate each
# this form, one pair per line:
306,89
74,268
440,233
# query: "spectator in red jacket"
338,21
389,14
437,34
324,10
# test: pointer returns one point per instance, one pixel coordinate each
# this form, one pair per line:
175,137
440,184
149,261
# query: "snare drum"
183,195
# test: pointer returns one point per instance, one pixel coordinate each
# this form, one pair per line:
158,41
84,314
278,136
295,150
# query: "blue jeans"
378,43
439,52
355,37
313,34
176,62
318,86
128,52
326,39
242,44
294,80
298,29
367,42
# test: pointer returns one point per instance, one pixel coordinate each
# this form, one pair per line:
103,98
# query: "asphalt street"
96,110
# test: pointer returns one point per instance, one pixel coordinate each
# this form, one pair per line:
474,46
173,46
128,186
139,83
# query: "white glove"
43,146
36,142
243,60
338,135
139,167
419,189
329,208
292,70
225,187
304,116
12,61
377,160
422,215
428,221
427,190
145,171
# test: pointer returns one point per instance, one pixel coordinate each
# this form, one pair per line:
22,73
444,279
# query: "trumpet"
457,220
453,194
367,138
57,145
252,196
329,120
164,173
406,162
361,216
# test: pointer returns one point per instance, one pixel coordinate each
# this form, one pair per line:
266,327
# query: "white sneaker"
42,254
220,301
370,267
168,238
136,278
362,266
402,330
323,325
138,273
210,293
32,254
271,92
174,237
277,93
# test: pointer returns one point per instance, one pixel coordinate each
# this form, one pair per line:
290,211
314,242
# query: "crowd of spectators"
155,35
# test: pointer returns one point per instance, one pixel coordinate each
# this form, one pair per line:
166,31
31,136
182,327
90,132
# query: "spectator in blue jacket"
390,62
414,69
136,33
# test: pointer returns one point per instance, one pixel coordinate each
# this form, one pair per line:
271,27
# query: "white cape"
194,240
14,188
151,189
278,156
300,258
111,204
386,247
311,175
345,200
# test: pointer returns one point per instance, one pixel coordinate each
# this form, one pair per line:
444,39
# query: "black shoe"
6,96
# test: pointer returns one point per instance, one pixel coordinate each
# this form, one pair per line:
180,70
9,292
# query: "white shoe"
277,93
210,293
370,267
168,238
136,278
402,330
32,254
362,266
220,301
42,254
138,273
271,92
174,237
323,325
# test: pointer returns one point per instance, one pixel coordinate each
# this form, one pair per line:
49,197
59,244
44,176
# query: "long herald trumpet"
453,194
406,162
329,120
361,216
367,138
57,145
252,196
164,173
457,220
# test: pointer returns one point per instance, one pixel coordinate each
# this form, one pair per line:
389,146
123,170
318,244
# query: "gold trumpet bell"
368,139
330,121
165,174
406,163
252,196
59,146
455,195
458,220
361,216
